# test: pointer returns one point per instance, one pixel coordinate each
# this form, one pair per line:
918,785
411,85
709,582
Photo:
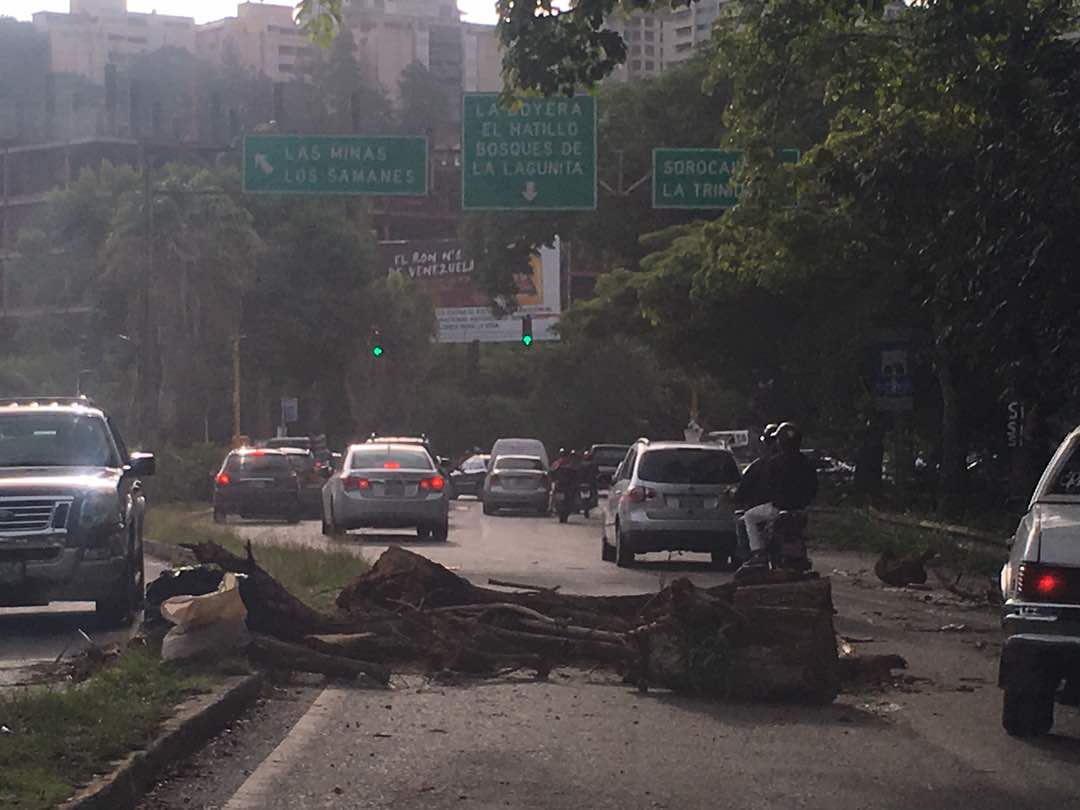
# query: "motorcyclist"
565,473
788,480
751,491
590,470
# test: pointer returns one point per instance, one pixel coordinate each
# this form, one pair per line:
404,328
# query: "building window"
286,49
635,64
650,50
285,68
683,30
703,27
635,50
683,47
650,64
650,36
635,35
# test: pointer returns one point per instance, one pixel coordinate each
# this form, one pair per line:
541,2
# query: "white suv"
671,496
1041,587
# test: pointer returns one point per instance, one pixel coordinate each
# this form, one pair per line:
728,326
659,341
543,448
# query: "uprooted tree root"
766,642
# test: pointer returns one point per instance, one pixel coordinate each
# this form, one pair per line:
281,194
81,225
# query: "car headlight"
100,509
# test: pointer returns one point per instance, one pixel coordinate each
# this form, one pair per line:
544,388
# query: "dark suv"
258,482
71,508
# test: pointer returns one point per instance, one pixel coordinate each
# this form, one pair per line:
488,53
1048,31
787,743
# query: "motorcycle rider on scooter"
751,491
790,483
565,472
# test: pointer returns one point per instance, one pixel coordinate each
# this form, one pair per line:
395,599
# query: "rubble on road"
760,642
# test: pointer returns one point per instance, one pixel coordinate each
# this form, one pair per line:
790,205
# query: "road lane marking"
259,788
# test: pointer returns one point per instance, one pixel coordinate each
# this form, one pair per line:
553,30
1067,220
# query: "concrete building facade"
261,37
98,33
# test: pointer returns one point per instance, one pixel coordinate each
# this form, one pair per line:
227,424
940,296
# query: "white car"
387,486
1041,587
671,496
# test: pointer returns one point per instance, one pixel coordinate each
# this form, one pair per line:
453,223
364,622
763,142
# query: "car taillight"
223,479
351,482
640,494
1041,583
391,465
438,483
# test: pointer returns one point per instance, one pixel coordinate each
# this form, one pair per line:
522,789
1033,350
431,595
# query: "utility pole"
236,389
142,387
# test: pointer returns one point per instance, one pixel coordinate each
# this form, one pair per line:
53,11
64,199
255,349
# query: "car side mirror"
142,464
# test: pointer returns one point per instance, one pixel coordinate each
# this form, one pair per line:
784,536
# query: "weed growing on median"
59,738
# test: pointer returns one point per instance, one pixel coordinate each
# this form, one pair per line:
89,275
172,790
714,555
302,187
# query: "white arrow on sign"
263,163
530,193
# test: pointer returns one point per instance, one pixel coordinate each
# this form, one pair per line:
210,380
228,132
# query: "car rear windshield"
252,464
390,457
505,463
56,440
1068,477
610,456
688,466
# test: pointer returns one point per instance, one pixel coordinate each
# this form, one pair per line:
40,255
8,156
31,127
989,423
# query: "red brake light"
258,452
223,479
391,465
1040,582
640,494
438,483
350,482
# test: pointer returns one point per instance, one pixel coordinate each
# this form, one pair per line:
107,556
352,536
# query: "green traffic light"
377,351
527,340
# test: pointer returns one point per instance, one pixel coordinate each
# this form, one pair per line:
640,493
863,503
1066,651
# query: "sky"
205,10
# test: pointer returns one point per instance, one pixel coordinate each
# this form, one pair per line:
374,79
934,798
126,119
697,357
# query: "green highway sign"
535,154
370,165
699,178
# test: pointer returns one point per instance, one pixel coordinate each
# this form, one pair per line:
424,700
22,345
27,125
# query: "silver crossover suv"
671,496
387,486
1041,587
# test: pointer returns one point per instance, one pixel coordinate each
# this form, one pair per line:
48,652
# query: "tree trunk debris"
759,642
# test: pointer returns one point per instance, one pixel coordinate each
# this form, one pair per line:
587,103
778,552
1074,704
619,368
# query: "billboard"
444,270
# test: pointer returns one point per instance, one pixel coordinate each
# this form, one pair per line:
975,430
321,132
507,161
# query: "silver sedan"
387,486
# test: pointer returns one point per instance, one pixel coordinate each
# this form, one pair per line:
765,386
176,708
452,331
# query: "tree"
425,101
335,94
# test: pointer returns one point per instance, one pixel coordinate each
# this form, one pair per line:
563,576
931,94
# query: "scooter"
785,557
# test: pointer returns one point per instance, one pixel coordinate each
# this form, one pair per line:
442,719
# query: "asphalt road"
582,740
35,635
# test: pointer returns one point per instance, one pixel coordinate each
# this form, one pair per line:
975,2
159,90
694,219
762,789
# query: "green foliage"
185,474
61,737
426,102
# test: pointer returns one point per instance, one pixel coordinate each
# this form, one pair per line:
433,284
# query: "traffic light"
376,344
526,330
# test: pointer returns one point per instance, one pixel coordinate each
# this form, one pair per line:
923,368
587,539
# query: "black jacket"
751,491
790,481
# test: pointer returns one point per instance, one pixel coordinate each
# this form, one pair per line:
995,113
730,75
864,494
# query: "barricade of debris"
407,613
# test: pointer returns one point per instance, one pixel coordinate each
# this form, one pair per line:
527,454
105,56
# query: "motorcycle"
587,498
785,546
562,502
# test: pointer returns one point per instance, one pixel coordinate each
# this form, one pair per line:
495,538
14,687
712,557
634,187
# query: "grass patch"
61,738
313,575
855,530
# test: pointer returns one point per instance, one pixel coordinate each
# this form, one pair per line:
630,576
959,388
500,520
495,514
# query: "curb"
167,551
196,721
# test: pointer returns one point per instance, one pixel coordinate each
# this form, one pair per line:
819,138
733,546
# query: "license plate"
11,572
395,489
684,503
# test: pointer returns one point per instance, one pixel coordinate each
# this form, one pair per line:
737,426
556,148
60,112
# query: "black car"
468,477
312,477
607,458
258,483
71,508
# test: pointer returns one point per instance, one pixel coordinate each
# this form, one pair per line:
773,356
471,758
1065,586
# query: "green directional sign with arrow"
367,165
533,154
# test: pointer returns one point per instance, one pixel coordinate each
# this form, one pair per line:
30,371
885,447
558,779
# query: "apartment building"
643,34
262,37
97,33
686,28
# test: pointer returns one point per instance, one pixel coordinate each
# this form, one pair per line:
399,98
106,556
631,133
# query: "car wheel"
119,610
607,553
441,532
623,555
328,527
423,532
487,509
1027,712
